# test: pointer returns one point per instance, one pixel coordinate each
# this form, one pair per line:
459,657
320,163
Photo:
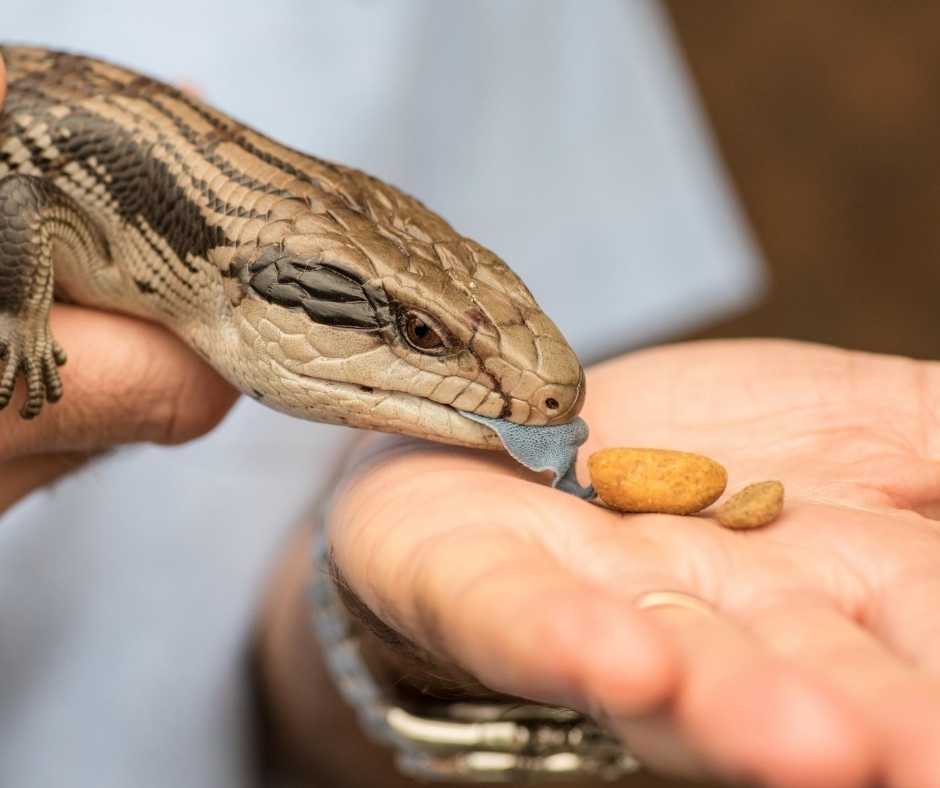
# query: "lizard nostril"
551,403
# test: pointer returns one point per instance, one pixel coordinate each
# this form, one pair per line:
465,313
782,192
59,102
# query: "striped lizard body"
315,288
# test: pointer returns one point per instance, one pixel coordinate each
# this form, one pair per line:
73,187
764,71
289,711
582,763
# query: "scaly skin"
315,288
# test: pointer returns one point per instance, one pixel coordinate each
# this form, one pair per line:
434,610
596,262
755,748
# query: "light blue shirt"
563,135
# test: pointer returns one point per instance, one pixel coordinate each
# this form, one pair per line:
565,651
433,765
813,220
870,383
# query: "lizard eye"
422,333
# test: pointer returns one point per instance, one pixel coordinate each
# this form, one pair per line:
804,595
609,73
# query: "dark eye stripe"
327,294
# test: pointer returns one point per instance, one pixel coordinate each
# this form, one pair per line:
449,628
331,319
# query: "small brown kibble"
756,505
656,480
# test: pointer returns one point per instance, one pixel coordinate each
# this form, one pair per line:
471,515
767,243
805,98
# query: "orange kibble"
656,480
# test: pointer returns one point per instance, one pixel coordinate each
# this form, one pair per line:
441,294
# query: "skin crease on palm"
821,663
820,666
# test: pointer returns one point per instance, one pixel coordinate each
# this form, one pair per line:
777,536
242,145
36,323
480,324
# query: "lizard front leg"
38,222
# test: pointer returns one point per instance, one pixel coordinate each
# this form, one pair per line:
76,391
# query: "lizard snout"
559,403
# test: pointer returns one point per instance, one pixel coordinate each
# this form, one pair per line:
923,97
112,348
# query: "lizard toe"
50,377
35,390
8,378
58,354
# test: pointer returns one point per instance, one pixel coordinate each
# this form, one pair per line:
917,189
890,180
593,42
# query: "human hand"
125,381
818,661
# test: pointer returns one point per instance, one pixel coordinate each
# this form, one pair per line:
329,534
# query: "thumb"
126,381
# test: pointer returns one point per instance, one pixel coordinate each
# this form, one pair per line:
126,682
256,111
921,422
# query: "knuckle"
184,412
191,406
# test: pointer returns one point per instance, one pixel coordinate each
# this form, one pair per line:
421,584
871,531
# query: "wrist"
412,672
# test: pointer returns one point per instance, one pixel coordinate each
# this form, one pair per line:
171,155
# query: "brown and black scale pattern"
116,154
93,115
142,187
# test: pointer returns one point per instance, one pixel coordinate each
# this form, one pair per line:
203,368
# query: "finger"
459,574
753,717
899,704
3,81
126,381
22,476
657,743
191,89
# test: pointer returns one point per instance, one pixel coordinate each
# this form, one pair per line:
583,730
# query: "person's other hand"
815,660
125,381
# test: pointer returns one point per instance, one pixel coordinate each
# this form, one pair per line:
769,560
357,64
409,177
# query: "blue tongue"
549,448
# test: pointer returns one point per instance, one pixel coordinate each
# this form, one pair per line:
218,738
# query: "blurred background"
826,118
655,171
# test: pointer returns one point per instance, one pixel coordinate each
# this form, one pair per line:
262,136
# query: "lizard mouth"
386,410
543,447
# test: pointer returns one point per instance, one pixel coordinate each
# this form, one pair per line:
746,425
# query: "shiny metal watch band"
459,741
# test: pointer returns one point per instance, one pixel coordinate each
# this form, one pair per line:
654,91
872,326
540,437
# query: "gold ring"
652,599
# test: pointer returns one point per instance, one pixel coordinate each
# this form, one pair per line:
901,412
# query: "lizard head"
372,311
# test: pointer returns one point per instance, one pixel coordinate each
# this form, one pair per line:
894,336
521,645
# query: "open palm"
816,658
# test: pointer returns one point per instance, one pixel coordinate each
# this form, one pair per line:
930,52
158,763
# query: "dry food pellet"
756,505
656,480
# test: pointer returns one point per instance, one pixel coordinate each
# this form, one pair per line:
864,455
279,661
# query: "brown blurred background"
827,116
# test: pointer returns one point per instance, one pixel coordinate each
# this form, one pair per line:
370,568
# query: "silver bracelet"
458,741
